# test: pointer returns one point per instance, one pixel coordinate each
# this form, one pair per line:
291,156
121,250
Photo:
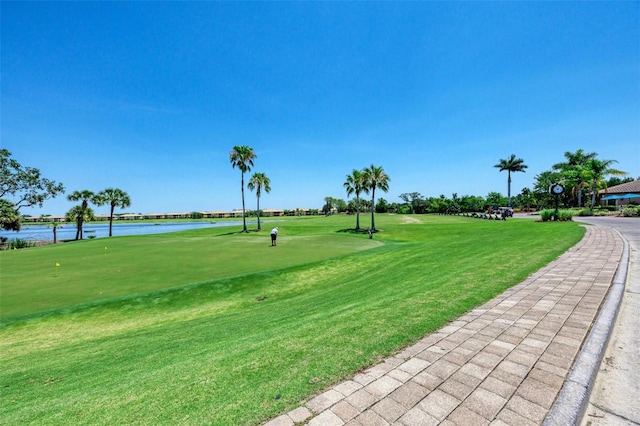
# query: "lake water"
101,230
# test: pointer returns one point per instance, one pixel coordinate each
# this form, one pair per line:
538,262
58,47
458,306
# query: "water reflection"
101,230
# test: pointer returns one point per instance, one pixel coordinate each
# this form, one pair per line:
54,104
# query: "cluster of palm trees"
580,172
584,171
242,156
366,180
81,213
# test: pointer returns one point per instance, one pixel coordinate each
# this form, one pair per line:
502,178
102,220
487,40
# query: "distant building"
621,195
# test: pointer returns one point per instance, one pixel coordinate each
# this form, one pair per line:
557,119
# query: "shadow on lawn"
356,231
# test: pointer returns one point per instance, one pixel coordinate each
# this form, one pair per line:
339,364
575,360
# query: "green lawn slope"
216,327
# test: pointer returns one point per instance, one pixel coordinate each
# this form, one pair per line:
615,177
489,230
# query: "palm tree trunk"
259,213
508,187
111,220
373,210
244,220
357,213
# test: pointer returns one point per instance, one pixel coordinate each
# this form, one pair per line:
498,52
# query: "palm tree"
85,196
242,157
79,214
115,197
512,164
597,171
259,181
375,177
575,170
354,184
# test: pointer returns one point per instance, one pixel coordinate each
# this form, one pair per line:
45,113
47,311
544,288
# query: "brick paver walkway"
503,363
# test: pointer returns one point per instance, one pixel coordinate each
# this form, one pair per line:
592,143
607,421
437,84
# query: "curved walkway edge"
526,357
572,402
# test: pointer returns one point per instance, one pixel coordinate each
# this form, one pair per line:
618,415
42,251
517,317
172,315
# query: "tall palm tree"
79,215
259,181
354,184
242,157
115,197
85,196
597,171
375,178
512,164
575,171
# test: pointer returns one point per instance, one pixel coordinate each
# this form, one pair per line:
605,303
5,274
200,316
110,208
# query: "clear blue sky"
151,97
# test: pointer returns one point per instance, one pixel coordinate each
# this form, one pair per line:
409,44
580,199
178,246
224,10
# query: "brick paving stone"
409,394
282,420
389,409
538,392
417,417
383,386
439,404
456,389
527,409
400,375
475,370
486,359
485,403
544,376
326,418
499,387
324,400
442,368
462,416
511,418
427,380
523,357
414,366
345,411
370,418
300,414
361,399
348,387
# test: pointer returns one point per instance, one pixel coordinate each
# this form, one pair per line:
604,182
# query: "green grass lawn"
216,327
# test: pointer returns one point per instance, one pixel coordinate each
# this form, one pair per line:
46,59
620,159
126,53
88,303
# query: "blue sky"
151,97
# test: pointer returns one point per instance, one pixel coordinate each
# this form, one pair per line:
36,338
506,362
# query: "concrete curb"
571,404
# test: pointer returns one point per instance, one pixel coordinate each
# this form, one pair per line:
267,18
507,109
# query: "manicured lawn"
245,331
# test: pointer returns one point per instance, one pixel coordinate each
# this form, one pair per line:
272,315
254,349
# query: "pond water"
101,230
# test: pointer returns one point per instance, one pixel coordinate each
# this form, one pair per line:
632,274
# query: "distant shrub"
631,211
585,212
549,214
19,243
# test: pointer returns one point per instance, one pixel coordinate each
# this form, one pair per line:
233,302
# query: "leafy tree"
382,206
259,181
25,185
85,196
79,215
115,197
9,216
541,188
597,171
328,206
495,199
613,181
575,172
415,201
354,184
511,164
375,178
55,226
242,156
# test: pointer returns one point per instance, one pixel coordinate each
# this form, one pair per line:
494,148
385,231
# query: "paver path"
502,363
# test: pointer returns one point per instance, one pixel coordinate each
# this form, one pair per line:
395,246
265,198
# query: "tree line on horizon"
582,174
